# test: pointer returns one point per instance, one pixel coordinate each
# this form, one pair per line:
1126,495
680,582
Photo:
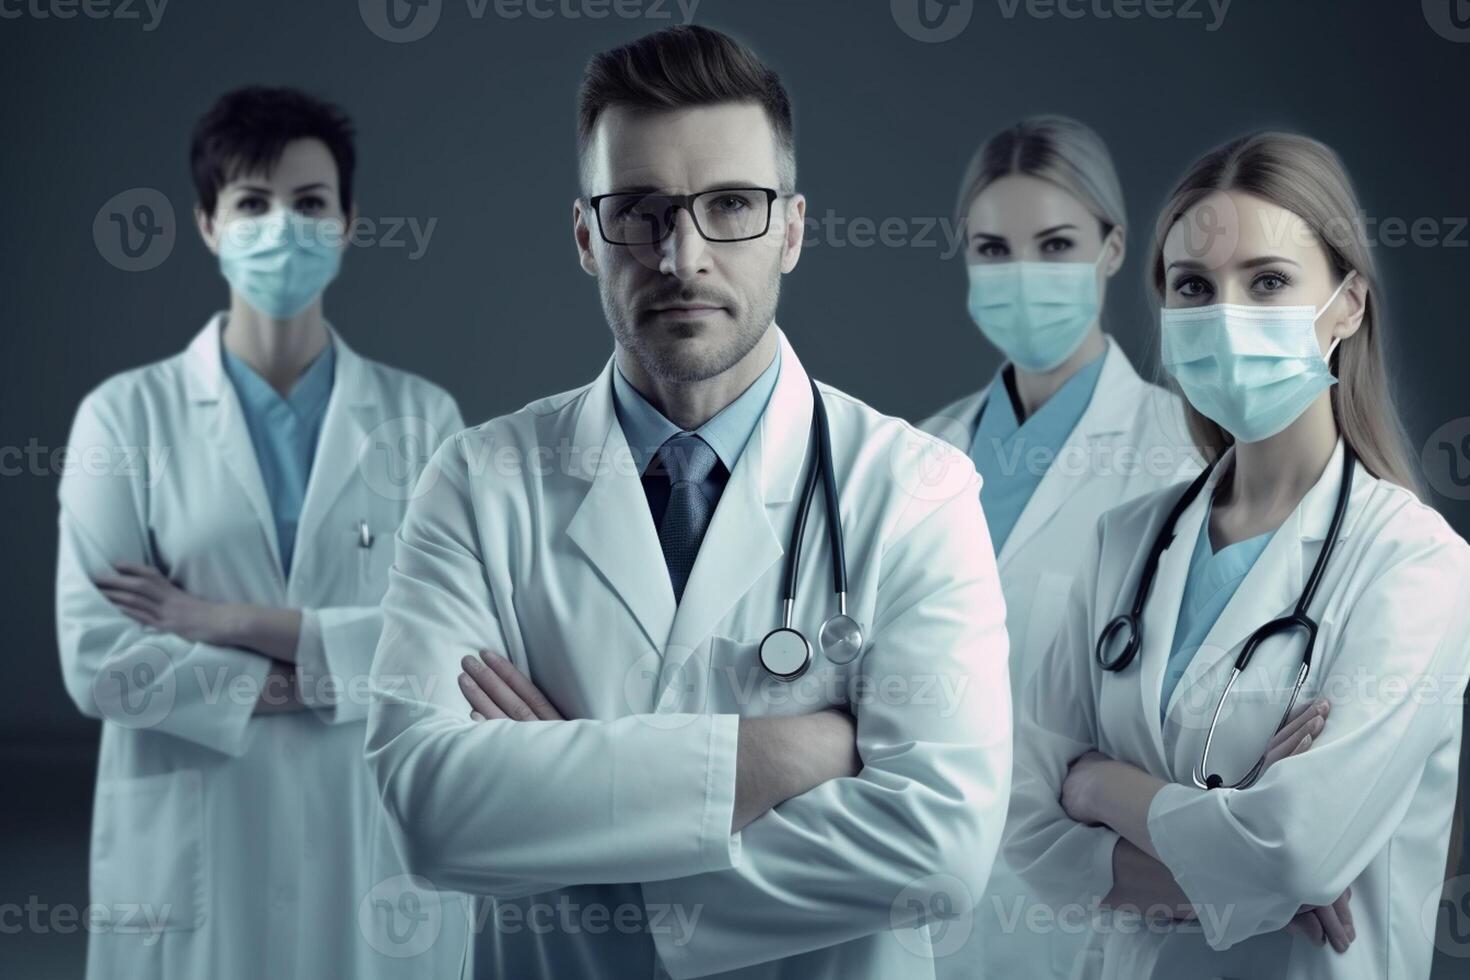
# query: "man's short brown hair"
680,67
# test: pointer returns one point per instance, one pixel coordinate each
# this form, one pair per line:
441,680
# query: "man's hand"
495,689
143,594
782,757
776,758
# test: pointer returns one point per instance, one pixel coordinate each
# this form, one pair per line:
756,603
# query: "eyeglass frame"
677,201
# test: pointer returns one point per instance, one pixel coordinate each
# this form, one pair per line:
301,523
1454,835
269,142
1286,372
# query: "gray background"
471,127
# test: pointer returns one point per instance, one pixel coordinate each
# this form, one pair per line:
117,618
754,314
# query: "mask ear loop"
1328,305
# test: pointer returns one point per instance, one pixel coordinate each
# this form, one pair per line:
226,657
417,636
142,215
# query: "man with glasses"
573,721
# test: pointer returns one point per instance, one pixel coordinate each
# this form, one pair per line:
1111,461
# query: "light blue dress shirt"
1212,580
284,432
1002,446
646,429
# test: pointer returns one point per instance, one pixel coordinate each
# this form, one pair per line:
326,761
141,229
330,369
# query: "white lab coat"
1368,805
225,844
1132,439
532,536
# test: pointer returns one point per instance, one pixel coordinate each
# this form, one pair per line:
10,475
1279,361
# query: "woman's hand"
1078,789
1327,923
1297,735
144,595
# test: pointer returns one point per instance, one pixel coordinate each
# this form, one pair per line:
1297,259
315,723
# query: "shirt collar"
728,432
1071,398
307,396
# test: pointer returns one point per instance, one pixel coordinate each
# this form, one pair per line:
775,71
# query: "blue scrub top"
1002,446
646,429
284,432
1213,578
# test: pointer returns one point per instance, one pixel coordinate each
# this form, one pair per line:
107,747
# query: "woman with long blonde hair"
1250,719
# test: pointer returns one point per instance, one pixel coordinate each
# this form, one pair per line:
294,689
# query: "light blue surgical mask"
1251,369
1036,313
281,261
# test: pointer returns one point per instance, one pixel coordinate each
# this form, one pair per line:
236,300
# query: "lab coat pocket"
737,683
148,852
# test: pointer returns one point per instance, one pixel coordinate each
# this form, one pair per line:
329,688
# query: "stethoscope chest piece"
785,653
841,639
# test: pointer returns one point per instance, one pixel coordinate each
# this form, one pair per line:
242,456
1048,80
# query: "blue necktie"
688,460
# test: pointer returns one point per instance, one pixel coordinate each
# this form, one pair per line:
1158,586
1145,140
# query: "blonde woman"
1066,430
1150,772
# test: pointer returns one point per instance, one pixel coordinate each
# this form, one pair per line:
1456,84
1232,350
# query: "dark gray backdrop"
470,126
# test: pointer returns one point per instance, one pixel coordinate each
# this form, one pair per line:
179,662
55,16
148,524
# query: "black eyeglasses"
730,214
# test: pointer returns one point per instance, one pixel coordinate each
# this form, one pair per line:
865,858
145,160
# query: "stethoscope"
785,651
1297,620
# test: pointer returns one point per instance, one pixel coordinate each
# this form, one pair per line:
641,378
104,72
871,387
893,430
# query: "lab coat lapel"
1109,412
1272,586
1161,611
351,415
956,422
612,526
223,423
741,542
